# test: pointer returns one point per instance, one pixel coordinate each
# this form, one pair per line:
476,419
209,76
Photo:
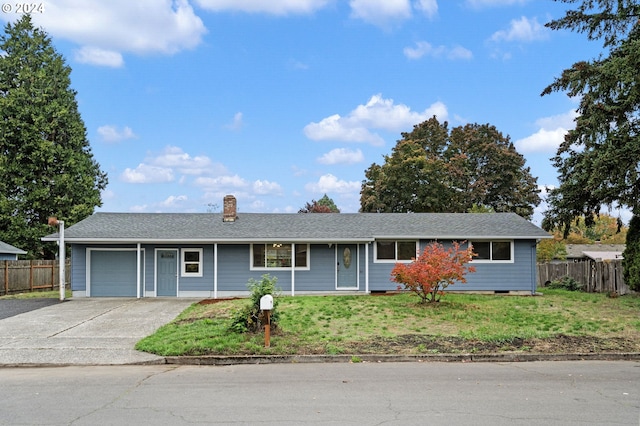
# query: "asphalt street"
533,393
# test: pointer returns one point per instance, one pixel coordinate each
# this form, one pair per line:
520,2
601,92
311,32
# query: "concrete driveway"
86,331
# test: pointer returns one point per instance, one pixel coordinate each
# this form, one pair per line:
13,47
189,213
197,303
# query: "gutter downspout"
366,268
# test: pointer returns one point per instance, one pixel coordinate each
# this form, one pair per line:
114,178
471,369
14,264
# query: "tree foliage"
432,169
46,164
323,205
598,160
631,256
434,270
251,318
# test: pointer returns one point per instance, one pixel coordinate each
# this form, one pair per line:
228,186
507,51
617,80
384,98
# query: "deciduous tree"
46,164
435,269
323,205
432,169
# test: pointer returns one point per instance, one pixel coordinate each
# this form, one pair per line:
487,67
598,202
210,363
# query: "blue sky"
279,102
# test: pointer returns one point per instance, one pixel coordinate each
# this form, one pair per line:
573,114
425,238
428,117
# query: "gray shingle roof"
309,227
8,248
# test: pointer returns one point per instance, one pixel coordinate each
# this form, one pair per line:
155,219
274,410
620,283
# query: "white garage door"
112,273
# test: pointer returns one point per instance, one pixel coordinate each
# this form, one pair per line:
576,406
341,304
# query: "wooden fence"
595,277
19,276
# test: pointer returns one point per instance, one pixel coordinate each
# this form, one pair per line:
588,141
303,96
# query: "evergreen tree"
598,160
631,255
46,164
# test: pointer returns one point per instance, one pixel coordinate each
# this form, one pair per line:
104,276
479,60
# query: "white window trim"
375,251
183,263
511,245
281,268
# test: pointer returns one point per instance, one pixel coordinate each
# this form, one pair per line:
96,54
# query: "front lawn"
558,321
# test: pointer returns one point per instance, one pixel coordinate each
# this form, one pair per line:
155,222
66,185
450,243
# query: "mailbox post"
266,305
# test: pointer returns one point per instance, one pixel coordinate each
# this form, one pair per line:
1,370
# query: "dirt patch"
416,344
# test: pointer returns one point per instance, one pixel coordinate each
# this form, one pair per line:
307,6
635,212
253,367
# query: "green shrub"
631,255
565,283
250,318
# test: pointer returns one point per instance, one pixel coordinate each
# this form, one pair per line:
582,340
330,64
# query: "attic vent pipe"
229,210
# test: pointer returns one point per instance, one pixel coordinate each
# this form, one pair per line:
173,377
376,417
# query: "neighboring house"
9,252
214,255
585,252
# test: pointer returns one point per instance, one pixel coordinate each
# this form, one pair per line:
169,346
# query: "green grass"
338,324
38,295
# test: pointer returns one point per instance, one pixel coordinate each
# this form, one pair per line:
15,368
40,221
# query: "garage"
112,273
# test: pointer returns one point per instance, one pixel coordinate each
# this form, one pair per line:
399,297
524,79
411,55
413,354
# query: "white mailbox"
266,302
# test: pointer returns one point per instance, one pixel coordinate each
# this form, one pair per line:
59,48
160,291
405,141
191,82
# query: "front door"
167,272
347,266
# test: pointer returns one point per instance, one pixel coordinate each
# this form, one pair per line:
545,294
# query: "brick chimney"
229,210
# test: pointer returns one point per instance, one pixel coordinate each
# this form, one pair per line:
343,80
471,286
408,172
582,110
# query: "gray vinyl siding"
78,267
516,276
321,276
233,267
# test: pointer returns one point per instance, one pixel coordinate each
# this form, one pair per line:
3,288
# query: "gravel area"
12,307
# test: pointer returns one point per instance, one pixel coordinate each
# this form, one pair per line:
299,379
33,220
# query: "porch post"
366,267
215,271
293,269
138,267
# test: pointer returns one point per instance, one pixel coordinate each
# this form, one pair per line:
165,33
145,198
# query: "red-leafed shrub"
434,270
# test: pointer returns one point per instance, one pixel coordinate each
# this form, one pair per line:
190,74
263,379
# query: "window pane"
482,250
192,256
192,268
386,250
406,250
301,255
501,250
258,255
279,256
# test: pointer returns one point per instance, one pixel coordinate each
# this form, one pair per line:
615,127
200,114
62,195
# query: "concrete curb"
299,359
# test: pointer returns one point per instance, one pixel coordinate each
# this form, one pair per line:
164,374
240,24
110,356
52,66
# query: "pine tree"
46,164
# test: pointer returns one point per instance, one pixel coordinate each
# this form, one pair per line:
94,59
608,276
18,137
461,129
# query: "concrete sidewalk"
86,332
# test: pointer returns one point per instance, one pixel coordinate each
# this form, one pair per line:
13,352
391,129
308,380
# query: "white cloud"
237,122
173,157
491,3
331,184
106,29
423,48
147,174
428,7
522,29
341,156
273,7
377,113
221,183
138,209
264,187
380,12
550,135
173,201
113,134
100,57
